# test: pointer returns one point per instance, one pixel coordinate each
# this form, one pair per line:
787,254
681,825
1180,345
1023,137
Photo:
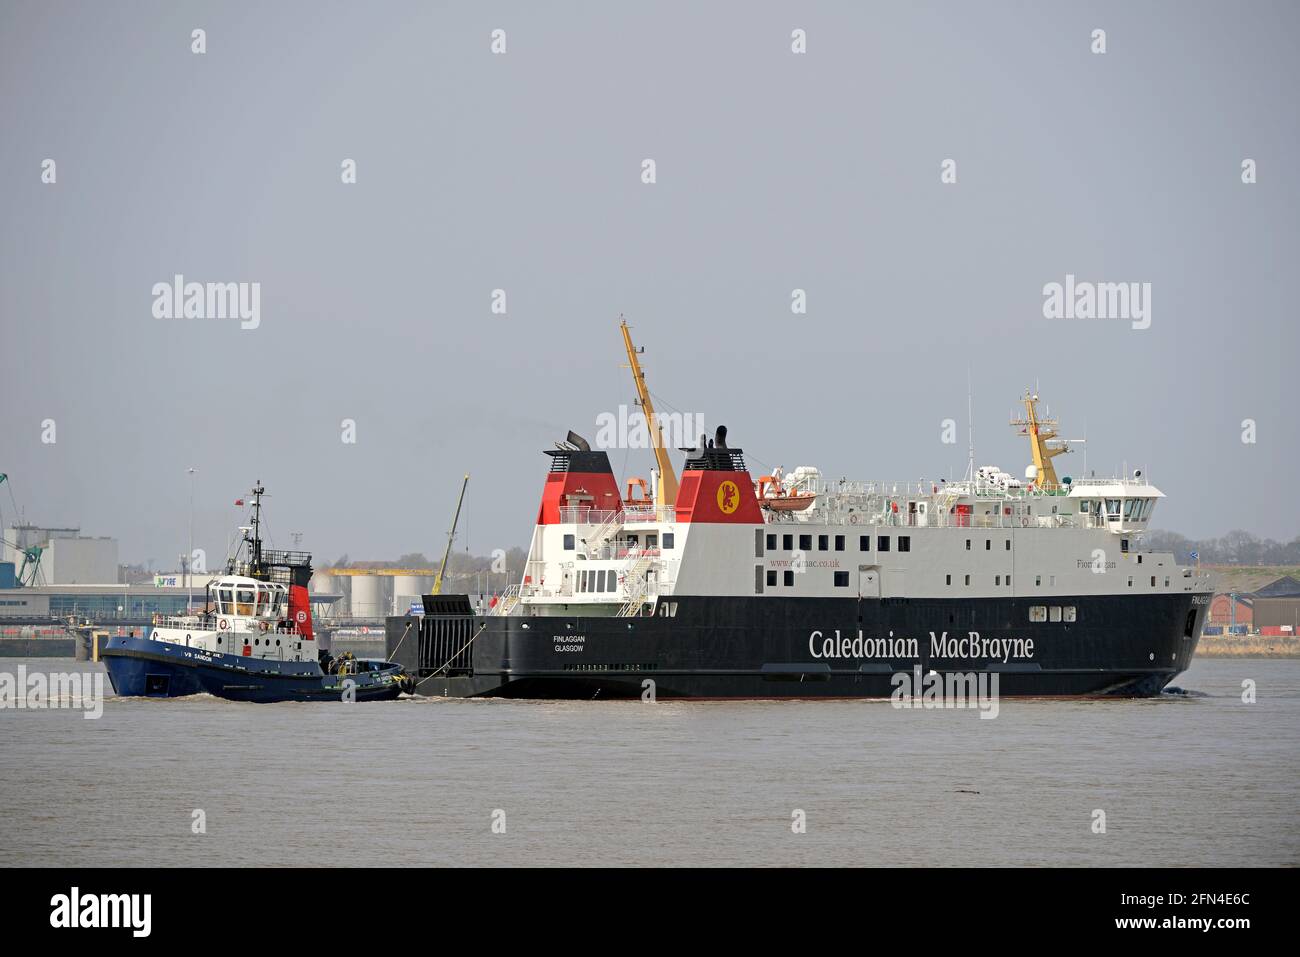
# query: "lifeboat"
796,502
774,496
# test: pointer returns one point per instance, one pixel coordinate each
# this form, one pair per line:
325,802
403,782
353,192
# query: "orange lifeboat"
772,496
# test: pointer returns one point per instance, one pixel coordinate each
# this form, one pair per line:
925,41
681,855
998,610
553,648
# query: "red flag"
239,501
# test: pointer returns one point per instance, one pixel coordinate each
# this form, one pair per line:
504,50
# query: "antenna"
970,429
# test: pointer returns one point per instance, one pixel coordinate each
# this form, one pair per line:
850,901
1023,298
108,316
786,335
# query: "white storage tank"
324,584
370,596
408,589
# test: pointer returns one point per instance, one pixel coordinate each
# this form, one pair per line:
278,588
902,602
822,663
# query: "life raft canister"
248,649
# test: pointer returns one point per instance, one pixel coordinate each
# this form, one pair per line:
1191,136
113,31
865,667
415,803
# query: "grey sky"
775,171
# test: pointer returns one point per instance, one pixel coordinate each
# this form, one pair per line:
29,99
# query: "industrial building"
63,556
166,594
1271,610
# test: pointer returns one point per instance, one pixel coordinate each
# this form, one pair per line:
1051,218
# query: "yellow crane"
666,485
451,535
1040,431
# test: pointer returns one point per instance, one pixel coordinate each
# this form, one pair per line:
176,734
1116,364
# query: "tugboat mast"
255,542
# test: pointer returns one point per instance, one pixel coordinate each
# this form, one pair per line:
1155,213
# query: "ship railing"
649,513
966,520
602,517
615,552
584,515
636,585
509,598
239,625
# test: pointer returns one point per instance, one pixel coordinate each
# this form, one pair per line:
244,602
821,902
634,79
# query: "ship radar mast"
1041,431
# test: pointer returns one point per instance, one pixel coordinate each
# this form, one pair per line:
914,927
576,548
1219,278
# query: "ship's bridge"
247,597
1122,506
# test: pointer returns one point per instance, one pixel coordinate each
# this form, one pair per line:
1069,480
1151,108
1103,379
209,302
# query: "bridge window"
882,543
244,601
787,543
904,543
864,543
839,543
823,543
668,539
568,543
841,579
771,543
805,543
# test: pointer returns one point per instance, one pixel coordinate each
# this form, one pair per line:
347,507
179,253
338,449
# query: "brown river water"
1200,779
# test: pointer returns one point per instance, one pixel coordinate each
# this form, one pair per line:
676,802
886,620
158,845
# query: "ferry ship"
723,586
252,641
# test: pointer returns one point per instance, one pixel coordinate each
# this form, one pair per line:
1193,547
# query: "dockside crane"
666,483
451,536
29,572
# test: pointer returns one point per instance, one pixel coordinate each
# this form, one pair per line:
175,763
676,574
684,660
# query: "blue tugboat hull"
141,667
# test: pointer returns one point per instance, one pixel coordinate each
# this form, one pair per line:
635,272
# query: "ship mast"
1041,431
255,543
666,481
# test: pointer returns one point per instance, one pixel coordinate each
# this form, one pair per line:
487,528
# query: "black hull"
760,648
141,667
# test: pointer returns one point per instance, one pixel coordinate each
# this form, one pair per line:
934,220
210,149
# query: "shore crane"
451,536
30,571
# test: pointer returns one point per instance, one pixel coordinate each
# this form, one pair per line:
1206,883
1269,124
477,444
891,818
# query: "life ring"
1024,521
853,520
222,624
262,626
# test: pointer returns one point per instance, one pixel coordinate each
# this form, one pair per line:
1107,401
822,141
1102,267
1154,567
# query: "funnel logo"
728,497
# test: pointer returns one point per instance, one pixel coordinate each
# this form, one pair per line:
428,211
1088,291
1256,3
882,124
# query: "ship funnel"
578,441
720,437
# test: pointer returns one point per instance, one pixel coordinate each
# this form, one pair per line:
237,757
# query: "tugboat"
253,640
